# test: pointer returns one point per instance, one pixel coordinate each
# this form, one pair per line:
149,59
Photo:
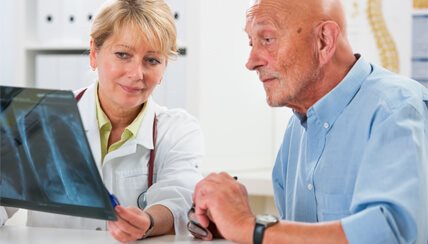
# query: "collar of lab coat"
87,108
144,135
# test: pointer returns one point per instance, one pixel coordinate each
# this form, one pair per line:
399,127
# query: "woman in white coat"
131,41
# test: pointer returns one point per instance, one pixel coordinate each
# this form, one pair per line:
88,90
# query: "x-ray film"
45,160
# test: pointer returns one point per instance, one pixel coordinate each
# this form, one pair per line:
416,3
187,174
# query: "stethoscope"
142,199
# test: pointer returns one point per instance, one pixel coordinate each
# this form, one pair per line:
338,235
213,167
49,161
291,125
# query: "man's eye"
267,40
122,55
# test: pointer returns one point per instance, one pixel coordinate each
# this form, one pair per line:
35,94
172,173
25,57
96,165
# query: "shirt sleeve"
280,170
177,172
278,187
390,205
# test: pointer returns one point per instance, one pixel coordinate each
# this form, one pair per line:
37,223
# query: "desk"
33,235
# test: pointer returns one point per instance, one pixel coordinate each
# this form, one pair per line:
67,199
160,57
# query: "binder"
86,14
49,20
71,21
63,71
47,71
68,73
75,72
178,8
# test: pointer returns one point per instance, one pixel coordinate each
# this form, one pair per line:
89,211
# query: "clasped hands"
221,210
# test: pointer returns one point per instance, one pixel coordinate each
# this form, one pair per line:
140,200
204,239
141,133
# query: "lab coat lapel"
145,133
87,108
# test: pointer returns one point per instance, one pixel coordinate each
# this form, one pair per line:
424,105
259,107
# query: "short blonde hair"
152,17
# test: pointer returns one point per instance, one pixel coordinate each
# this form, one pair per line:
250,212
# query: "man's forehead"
265,13
257,22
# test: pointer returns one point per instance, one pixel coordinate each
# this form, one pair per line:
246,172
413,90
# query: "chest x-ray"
46,163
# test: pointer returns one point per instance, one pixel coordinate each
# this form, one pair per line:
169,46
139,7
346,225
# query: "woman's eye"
122,55
153,61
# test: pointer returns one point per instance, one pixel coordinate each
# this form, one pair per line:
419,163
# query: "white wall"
236,120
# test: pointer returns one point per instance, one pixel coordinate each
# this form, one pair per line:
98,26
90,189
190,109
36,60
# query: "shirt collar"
329,107
104,122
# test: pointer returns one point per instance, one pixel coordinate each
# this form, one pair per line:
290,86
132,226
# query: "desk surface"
22,234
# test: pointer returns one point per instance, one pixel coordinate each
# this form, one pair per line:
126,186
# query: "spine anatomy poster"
381,31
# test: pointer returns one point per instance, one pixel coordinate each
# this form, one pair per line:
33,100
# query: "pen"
114,201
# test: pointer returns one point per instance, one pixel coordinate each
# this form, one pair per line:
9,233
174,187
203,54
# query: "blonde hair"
153,18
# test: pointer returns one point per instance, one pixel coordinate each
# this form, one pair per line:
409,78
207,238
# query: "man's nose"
254,60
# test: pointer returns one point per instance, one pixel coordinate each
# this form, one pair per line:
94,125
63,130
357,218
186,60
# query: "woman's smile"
130,89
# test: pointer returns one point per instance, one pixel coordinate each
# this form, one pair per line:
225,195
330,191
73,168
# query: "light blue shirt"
361,157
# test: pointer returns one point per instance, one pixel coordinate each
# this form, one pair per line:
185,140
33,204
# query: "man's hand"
131,225
221,199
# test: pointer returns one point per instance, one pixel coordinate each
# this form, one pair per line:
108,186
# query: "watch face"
266,219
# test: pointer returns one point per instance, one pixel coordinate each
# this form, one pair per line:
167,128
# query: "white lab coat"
179,150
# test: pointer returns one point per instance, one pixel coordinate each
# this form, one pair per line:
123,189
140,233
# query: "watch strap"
151,226
259,231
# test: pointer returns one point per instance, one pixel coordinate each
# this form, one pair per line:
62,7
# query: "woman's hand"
131,225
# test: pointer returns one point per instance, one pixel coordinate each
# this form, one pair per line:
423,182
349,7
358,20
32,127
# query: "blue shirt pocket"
333,206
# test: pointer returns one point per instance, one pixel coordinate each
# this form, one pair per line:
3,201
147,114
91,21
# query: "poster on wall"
420,4
420,41
380,30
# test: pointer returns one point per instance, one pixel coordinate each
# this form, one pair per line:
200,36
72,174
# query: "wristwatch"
263,222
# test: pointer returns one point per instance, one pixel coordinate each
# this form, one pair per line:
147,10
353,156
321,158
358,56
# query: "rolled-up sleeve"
390,205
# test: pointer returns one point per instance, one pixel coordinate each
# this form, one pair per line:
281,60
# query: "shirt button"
326,125
310,187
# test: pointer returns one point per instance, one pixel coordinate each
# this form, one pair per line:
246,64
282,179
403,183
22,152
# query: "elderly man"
353,164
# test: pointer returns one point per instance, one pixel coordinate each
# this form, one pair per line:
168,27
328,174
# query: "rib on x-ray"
45,162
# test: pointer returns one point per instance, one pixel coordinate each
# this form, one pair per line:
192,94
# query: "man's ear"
328,33
92,55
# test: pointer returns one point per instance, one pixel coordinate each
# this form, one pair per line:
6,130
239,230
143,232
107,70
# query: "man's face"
283,53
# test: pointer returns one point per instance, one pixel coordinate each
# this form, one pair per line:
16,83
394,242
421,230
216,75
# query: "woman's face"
128,70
